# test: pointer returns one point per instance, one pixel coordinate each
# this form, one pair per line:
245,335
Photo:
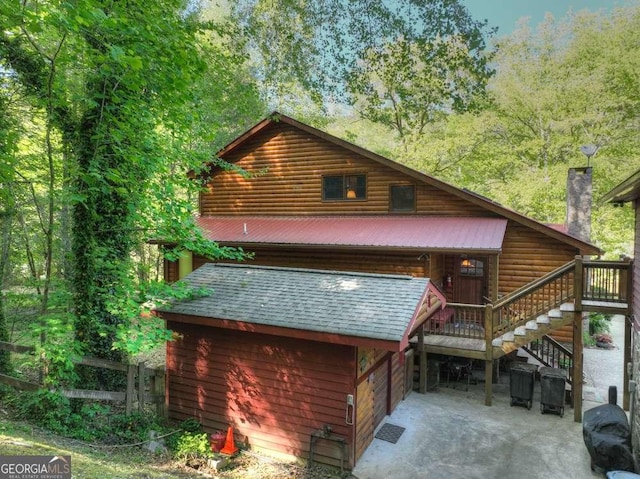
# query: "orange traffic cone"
229,445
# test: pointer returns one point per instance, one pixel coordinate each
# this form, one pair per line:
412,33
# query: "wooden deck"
606,307
455,346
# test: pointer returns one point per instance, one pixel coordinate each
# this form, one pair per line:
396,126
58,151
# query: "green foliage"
127,429
5,356
192,445
88,421
58,349
400,64
143,331
48,409
114,90
599,323
551,93
588,340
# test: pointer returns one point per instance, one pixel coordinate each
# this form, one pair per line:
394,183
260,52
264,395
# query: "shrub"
48,409
129,428
588,340
86,420
599,323
192,445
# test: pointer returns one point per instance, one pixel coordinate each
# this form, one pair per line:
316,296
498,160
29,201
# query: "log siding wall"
288,164
353,260
527,255
274,391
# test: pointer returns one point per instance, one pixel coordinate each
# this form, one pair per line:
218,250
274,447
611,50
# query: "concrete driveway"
451,434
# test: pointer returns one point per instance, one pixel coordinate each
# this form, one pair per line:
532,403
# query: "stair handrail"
563,353
506,317
536,284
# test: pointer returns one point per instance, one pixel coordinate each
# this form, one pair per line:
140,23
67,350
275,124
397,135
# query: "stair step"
543,319
554,314
510,336
520,331
567,307
531,325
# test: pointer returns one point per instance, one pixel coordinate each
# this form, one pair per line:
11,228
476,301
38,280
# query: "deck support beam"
488,363
576,386
627,360
488,382
422,352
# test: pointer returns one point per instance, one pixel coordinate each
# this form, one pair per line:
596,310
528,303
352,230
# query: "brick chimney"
579,197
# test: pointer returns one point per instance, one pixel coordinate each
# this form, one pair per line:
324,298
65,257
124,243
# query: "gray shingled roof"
353,304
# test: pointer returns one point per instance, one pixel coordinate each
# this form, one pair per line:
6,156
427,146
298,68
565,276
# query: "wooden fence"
143,384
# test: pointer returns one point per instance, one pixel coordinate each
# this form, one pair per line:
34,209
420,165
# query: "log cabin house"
360,264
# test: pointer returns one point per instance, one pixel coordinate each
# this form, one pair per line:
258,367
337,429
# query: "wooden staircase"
533,330
531,312
525,317
548,352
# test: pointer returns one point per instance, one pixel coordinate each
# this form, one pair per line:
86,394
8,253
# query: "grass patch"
88,461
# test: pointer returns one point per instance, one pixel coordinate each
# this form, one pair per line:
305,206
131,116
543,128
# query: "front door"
470,280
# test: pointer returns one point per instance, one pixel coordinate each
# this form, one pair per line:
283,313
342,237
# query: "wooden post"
131,387
141,386
577,285
495,279
627,360
422,351
159,391
488,363
576,386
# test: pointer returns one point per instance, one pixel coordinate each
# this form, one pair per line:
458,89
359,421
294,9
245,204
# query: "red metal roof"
422,232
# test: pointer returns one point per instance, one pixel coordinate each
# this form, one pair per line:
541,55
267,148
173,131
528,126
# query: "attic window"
402,198
344,187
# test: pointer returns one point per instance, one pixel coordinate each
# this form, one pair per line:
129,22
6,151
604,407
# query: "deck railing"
534,299
552,354
605,282
600,285
460,320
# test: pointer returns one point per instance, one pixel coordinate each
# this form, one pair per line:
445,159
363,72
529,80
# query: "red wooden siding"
380,389
274,391
289,164
365,397
380,380
397,380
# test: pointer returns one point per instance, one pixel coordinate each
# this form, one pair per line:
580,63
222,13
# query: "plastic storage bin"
552,387
521,381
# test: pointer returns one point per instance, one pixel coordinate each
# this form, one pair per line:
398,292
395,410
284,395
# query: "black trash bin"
607,435
552,386
521,380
